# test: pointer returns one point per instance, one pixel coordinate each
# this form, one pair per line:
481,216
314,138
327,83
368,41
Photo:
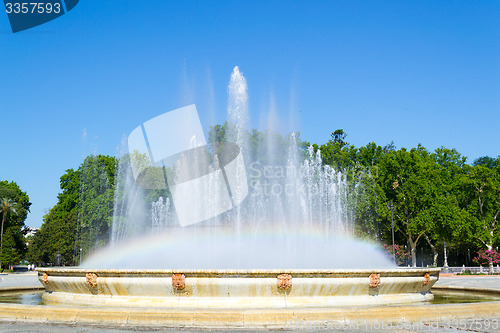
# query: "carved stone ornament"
427,278
45,278
178,281
284,281
91,280
374,280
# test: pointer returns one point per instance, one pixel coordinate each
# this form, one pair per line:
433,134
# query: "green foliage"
13,247
14,208
82,217
95,201
338,137
481,199
419,183
7,207
425,187
486,161
58,233
13,191
438,197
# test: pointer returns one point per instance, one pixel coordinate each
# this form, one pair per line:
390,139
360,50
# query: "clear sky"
404,71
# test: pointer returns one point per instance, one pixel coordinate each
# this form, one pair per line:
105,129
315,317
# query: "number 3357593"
33,7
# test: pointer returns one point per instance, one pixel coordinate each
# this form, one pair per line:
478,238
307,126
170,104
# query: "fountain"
246,222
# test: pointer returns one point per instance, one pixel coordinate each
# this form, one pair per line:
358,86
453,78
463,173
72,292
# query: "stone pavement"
27,279
479,325
479,282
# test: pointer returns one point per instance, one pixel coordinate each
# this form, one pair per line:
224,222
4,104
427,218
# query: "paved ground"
475,325
28,279
479,325
470,281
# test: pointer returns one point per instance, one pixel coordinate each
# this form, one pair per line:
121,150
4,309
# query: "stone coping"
242,273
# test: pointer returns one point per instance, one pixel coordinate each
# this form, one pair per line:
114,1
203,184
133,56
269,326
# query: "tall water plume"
237,108
131,215
237,111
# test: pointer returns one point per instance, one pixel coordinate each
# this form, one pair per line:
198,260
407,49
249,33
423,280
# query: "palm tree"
6,206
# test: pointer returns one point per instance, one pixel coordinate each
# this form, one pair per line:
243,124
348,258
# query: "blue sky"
404,71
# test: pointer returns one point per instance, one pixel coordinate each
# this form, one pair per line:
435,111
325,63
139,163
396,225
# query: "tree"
59,228
57,233
486,161
6,206
412,181
13,224
338,137
82,217
401,254
12,249
338,154
367,193
447,212
13,191
488,257
482,188
95,201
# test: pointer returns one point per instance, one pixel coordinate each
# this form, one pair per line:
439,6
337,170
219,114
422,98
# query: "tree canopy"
437,197
80,221
14,208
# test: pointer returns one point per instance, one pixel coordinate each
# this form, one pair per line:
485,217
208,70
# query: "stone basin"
189,288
